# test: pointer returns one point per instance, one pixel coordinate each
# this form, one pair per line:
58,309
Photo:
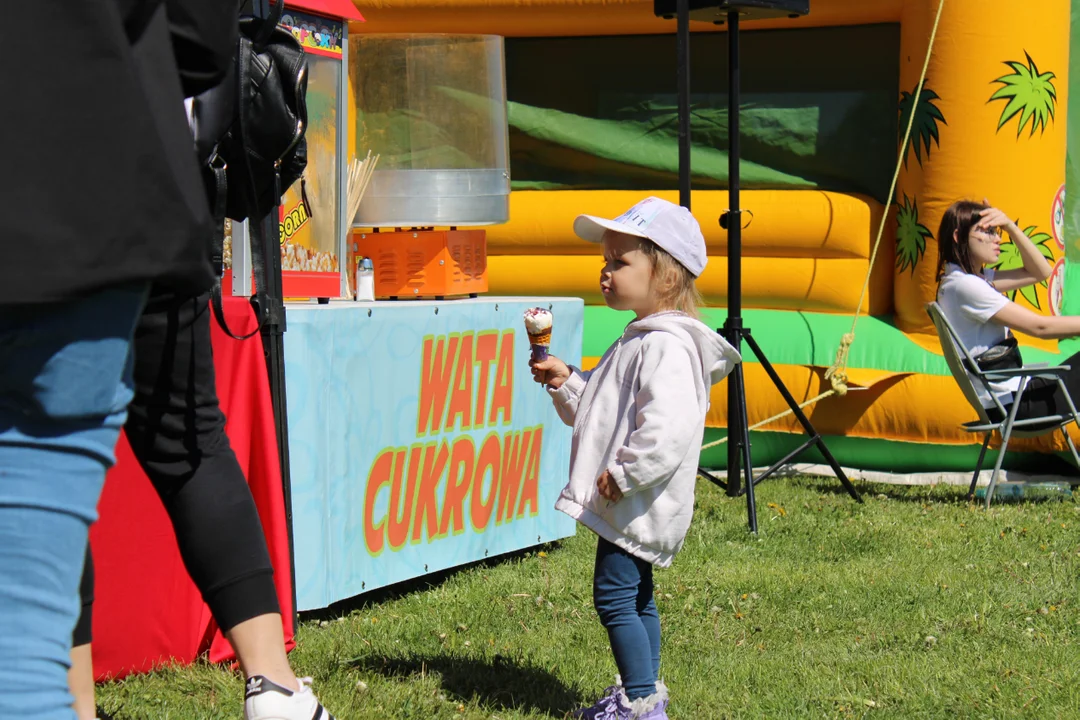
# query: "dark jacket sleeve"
204,36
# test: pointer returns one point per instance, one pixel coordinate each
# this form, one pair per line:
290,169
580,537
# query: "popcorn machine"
312,213
432,108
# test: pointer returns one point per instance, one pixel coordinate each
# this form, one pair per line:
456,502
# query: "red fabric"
343,9
147,611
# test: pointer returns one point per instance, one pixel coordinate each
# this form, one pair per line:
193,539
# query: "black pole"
733,325
734,150
739,457
682,42
273,332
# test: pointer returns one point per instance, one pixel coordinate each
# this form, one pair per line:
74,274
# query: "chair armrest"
1036,370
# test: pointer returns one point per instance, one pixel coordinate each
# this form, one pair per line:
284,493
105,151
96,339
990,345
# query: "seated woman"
971,297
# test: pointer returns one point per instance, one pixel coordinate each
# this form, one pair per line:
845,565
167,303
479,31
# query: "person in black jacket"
104,198
177,432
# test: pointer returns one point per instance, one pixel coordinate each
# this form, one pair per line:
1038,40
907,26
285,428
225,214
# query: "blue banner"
418,440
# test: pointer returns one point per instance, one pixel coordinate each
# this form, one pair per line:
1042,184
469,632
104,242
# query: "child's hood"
717,355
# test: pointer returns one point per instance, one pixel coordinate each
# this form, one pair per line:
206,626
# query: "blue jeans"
64,388
623,597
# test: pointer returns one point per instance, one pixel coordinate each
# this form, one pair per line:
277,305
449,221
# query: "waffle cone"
543,338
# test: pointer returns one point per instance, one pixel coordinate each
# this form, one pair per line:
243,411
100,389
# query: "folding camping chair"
959,359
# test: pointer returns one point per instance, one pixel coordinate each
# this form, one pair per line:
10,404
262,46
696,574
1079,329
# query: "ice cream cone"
539,344
538,322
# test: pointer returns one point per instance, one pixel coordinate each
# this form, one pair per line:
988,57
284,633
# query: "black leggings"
177,432
1044,397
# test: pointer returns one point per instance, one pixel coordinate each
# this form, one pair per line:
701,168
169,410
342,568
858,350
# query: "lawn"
916,604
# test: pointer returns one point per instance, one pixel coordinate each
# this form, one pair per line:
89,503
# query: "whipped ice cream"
537,320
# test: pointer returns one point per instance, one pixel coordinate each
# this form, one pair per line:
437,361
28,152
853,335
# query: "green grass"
916,604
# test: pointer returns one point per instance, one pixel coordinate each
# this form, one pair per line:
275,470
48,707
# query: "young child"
638,421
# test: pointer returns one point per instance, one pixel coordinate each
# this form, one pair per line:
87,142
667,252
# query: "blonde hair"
672,282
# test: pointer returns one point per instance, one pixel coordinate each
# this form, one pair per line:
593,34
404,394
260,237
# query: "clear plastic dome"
433,107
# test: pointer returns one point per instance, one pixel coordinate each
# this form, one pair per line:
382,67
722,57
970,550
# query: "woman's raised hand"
994,218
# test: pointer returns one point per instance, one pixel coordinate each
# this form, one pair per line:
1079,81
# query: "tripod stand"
739,456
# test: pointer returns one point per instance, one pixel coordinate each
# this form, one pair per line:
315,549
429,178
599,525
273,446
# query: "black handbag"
250,132
1004,355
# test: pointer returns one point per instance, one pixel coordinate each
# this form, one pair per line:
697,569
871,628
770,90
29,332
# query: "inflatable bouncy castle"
836,269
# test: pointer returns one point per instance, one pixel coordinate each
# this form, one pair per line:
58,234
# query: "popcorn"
296,257
227,248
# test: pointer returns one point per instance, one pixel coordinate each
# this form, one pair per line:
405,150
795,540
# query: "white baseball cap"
670,226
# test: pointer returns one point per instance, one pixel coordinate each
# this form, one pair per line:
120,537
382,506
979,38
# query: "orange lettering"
402,494
531,489
461,395
434,381
379,476
427,506
513,465
486,345
504,380
481,506
462,458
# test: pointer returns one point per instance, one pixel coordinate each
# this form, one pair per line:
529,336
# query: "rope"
836,374
766,421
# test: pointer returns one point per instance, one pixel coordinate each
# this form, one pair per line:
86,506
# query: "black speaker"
716,11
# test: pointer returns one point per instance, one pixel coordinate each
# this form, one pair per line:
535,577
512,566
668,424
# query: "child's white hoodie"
641,415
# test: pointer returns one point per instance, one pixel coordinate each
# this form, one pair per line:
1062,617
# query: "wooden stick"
370,171
359,178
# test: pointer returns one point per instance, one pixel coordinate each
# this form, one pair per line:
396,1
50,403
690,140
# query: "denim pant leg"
622,594
64,388
650,619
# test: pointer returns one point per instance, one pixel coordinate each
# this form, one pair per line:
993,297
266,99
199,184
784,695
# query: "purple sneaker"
653,707
612,705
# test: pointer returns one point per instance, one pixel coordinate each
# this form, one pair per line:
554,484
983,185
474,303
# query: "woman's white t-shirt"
969,301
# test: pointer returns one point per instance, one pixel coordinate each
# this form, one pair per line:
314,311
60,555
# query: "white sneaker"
265,700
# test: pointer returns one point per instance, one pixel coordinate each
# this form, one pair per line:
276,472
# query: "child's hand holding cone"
550,371
546,369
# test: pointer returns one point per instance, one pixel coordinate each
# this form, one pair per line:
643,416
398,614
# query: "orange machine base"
428,264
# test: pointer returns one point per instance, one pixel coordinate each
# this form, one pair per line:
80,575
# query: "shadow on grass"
500,683
420,584
943,494
818,483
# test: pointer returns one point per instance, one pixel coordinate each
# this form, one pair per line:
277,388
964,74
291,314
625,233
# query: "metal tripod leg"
744,450
815,438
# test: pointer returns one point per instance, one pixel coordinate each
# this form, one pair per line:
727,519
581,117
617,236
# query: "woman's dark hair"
958,220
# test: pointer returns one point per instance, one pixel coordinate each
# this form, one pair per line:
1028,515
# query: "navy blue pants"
623,597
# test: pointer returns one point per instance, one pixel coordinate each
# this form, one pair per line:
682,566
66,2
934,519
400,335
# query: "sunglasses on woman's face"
996,231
